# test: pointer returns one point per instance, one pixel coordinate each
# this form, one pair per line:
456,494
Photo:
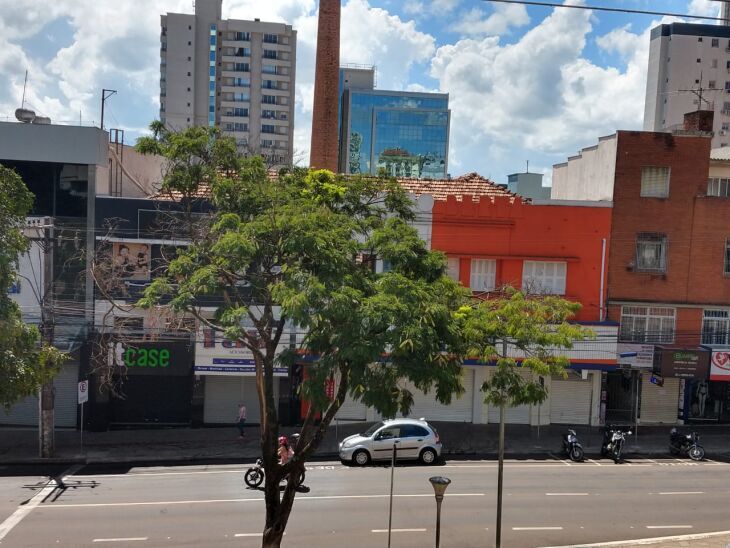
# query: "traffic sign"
83,392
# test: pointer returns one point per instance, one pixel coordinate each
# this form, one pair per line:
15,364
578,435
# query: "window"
271,39
718,187
647,324
716,327
268,69
267,143
452,268
266,128
715,43
268,84
242,67
699,39
240,112
243,36
242,82
238,126
544,277
268,114
651,252
413,431
654,182
699,60
242,52
483,274
268,99
270,54
241,96
727,258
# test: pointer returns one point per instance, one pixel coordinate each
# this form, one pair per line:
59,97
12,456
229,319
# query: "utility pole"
46,419
105,94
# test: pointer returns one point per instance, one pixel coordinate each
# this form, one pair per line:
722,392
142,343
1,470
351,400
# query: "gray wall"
53,143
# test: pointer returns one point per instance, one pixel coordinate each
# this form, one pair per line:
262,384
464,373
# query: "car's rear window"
432,428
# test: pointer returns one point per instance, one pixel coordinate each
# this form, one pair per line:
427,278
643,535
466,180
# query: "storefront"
229,371
571,399
678,387
708,400
152,385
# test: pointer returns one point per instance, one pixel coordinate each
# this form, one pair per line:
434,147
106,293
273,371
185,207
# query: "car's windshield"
370,431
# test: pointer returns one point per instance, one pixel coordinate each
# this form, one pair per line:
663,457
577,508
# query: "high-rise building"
404,133
682,59
234,74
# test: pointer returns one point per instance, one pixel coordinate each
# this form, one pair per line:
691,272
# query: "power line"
615,10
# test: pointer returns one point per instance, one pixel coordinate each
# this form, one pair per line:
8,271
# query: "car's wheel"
254,478
361,457
697,453
427,456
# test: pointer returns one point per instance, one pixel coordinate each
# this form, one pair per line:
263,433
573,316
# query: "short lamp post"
440,484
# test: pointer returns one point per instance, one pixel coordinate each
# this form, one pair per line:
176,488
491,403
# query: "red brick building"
669,270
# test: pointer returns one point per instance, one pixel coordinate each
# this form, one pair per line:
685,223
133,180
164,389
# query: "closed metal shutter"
570,401
25,412
459,410
224,393
352,410
512,415
659,404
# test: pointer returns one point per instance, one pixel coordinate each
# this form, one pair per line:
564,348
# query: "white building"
685,57
237,75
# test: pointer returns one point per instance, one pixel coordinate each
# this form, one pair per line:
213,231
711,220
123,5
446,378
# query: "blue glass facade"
213,51
405,134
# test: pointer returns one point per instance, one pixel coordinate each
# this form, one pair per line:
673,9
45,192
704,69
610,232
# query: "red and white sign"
720,366
83,392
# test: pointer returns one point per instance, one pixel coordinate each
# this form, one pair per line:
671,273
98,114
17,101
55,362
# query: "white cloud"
413,7
441,6
539,95
476,21
710,8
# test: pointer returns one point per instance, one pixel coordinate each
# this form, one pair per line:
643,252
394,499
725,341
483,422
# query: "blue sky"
529,83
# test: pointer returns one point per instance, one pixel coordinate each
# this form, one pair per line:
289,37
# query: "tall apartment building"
684,57
404,133
234,74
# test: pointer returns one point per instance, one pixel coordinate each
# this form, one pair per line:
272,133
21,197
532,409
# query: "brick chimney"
699,120
324,148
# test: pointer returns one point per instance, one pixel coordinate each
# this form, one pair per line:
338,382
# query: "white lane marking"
682,493
593,461
22,511
219,501
642,541
238,535
566,494
399,531
669,526
537,528
128,539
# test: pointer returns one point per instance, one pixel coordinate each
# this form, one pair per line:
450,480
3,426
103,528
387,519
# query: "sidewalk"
220,445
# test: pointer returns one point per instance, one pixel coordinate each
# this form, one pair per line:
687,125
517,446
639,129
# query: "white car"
414,438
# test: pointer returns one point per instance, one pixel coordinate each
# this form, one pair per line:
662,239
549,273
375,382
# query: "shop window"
654,182
483,275
647,324
716,327
651,252
544,277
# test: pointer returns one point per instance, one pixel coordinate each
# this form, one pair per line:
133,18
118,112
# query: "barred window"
716,327
651,252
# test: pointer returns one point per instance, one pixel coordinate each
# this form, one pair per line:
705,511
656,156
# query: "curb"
646,541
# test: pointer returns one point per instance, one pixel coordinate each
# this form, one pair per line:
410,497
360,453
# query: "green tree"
298,250
24,364
519,331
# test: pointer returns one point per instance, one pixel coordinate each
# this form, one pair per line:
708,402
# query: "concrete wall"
53,143
180,40
140,175
587,176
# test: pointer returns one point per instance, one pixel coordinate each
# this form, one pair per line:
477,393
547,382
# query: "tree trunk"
46,421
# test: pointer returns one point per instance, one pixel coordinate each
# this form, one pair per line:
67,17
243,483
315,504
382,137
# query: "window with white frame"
716,327
546,277
651,252
483,274
654,182
718,187
452,268
647,324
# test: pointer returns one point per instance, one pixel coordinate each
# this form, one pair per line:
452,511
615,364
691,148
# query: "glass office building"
406,134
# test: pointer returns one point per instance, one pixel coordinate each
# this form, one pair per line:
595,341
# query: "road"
547,503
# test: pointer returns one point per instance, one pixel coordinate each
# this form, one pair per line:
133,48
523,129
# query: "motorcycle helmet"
282,440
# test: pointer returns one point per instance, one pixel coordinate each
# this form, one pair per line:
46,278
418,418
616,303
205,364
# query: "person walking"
241,419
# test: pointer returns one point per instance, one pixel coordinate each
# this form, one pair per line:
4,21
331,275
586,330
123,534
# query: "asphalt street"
547,503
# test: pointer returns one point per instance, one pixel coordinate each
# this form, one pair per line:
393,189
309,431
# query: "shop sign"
637,356
682,363
720,367
217,355
151,357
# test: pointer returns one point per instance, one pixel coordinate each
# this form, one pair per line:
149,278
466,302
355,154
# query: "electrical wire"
614,10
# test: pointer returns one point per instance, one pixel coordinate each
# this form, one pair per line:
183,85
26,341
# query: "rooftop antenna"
699,92
105,94
22,104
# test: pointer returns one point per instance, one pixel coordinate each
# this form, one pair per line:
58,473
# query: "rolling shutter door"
459,410
512,415
659,404
570,401
25,412
352,410
224,393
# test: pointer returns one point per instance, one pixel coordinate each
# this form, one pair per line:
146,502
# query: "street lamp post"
439,484
392,472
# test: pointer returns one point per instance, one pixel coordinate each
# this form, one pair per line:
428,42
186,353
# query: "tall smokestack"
326,84
726,13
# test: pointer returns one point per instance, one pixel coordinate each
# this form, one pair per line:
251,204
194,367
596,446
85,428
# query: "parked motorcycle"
255,475
572,447
686,444
614,439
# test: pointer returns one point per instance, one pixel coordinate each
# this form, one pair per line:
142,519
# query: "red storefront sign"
720,366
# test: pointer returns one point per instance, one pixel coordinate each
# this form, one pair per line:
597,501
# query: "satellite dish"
41,120
24,115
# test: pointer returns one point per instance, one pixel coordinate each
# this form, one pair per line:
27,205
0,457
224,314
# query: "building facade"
669,271
528,185
233,74
684,57
406,134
